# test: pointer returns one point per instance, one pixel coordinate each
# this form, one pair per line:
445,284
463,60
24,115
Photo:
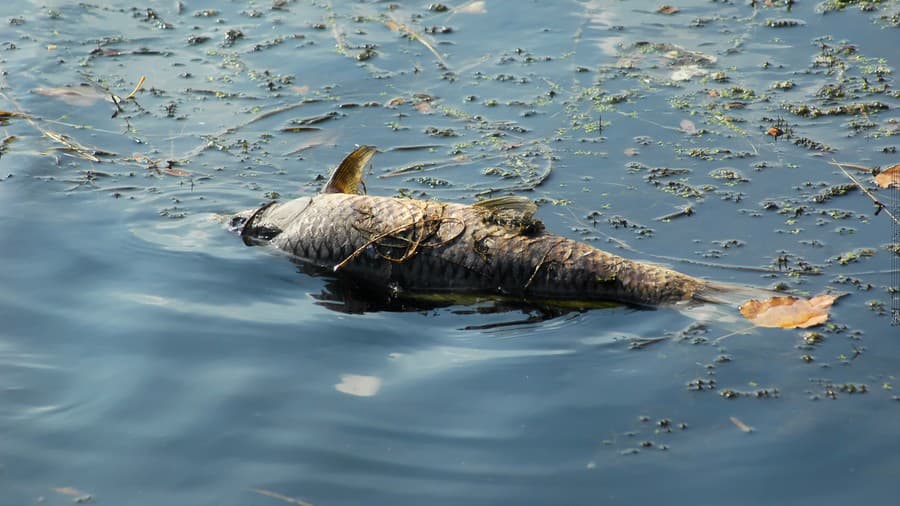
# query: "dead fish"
496,246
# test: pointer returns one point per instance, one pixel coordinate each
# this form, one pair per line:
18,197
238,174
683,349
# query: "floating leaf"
889,177
80,95
668,9
788,312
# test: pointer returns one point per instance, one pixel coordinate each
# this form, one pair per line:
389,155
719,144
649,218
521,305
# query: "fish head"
264,223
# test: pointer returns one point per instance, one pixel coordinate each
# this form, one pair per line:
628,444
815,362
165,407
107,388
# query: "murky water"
148,357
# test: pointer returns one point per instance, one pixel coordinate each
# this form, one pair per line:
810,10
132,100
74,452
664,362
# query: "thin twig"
685,211
419,226
862,168
736,332
859,185
395,25
541,263
137,88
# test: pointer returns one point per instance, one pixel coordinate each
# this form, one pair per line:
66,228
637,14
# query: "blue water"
148,357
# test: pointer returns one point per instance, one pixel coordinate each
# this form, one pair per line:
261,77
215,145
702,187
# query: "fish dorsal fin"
520,206
512,211
347,176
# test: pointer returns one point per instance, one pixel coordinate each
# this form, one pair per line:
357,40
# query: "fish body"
495,247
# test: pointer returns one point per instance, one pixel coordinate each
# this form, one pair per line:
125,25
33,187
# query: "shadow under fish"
351,295
392,253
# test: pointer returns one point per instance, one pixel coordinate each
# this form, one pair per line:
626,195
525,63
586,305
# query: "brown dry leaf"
72,95
788,312
889,177
276,495
176,172
478,7
668,9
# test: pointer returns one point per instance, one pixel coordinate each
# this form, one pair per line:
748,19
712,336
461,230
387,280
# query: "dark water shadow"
351,295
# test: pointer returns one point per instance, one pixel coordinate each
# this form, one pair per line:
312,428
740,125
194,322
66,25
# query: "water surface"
148,357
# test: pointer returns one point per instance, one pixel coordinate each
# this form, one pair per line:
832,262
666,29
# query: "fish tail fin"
720,302
730,294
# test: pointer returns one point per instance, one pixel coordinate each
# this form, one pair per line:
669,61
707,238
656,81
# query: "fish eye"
238,222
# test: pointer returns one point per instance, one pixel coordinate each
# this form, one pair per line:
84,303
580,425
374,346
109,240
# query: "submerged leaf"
788,312
688,127
889,177
477,7
69,491
176,172
80,96
359,386
287,499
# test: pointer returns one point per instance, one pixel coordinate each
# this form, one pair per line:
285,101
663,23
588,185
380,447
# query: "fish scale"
326,229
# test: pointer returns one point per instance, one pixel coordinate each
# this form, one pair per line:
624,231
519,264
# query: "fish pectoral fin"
347,176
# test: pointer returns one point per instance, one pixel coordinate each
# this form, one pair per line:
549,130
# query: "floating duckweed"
811,111
682,190
728,174
854,256
813,145
839,5
833,191
738,93
783,85
831,91
813,337
705,153
784,23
